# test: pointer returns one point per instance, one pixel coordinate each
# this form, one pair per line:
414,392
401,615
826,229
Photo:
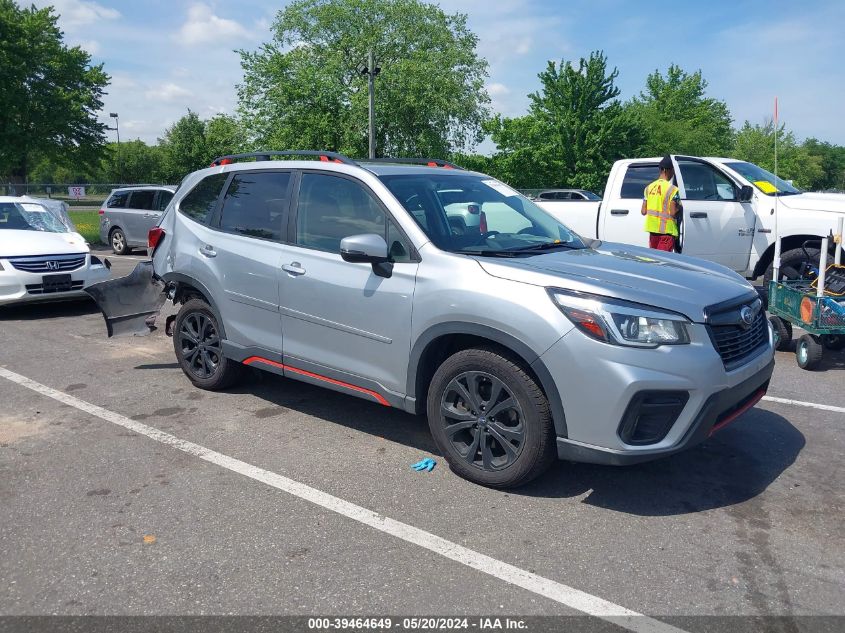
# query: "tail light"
154,236
101,212
482,223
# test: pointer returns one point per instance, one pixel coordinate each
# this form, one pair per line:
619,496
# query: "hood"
14,243
664,280
831,202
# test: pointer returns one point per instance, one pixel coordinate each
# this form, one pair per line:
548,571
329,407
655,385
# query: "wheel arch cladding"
444,339
186,286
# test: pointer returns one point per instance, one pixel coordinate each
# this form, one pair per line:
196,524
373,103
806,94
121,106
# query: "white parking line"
563,594
799,403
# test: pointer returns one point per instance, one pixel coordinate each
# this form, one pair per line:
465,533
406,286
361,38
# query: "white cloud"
168,92
92,47
204,27
76,13
496,89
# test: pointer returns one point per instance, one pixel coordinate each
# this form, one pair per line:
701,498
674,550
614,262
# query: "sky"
166,56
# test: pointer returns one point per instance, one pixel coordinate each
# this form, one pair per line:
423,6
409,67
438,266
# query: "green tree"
756,144
50,94
224,135
183,148
304,89
575,129
832,158
675,116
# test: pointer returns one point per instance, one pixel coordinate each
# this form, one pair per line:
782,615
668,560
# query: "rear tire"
490,419
117,239
808,352
783,333
198,347
834,342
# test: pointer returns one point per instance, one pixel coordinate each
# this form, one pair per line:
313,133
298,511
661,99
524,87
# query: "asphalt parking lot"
164,499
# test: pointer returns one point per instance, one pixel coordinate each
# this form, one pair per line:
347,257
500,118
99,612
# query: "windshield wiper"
547,246
502,253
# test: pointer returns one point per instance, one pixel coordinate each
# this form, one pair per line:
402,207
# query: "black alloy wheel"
483,421
200,345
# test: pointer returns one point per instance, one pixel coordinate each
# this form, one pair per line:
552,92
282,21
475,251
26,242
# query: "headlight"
621,322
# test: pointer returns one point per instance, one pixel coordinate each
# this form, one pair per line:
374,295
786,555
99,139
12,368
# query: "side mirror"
367,248
746,193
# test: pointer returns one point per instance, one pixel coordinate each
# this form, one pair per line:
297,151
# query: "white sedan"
41,258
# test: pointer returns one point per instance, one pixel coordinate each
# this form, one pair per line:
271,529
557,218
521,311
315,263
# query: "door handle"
619,212
294,268
208,250
698,214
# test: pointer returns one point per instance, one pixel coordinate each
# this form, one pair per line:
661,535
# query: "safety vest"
658,195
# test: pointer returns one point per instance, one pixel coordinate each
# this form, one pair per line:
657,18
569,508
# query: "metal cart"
822,317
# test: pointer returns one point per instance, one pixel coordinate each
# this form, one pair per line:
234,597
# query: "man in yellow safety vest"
661,205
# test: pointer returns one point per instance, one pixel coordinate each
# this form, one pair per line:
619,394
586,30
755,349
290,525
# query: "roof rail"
324,156
429,162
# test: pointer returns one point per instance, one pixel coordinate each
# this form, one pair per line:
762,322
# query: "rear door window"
118,200
200,202
256,203
142,199
637,178
164,198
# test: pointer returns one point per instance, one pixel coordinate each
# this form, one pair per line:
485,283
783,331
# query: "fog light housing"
650,415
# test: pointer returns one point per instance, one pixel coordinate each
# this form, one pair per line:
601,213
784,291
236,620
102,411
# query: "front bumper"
597,382
18,286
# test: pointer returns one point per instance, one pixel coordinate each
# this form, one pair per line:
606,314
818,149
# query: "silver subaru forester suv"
520,340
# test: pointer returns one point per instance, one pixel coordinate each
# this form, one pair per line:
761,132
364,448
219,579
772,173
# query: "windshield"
27,216
765,181
478,215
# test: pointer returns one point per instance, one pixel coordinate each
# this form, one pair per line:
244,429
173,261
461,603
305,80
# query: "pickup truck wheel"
196,340
490,419
783,333
790,263
808,352
117,239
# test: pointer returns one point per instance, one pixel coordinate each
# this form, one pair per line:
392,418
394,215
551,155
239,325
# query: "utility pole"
116,128
371,71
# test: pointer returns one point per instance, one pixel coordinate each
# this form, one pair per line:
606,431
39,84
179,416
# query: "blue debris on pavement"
426,464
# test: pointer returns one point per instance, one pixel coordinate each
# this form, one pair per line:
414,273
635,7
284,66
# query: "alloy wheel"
199,344
117,241
483,420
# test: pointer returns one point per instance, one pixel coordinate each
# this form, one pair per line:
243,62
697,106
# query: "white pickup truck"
728,213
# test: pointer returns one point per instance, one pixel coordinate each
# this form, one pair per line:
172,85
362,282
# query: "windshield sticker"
765,186
501,187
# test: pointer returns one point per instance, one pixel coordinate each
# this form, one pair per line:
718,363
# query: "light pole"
371,70
116,128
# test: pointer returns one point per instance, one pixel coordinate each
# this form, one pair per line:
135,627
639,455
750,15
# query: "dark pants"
661,242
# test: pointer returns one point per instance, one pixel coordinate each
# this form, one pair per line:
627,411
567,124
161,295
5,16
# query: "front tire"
198,347
808,352
490,419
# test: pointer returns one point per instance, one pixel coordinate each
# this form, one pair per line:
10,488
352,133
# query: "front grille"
48,263
38,289
737,343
